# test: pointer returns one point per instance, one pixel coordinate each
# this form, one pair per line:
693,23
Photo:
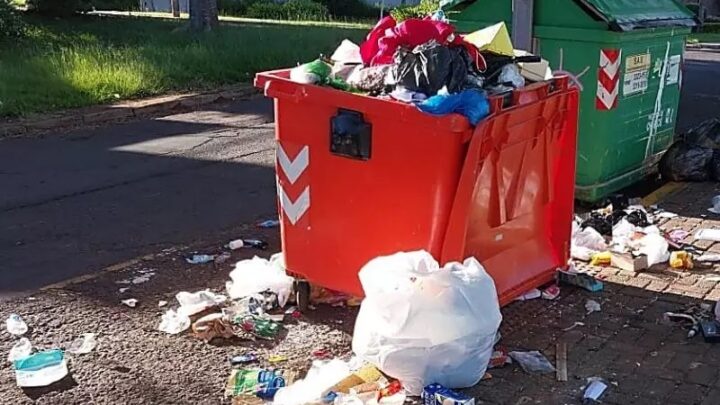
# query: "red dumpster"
359,177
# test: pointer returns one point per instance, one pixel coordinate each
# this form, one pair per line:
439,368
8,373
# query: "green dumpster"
627,56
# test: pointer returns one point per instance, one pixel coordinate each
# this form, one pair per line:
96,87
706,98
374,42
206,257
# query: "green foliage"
425,8
711,28
119,5
86,60
350,9
235,7
11,25
59,8
293,10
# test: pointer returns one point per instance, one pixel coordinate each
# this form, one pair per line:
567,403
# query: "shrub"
235,7
120,5
291,10
350,8
425,8
11,25
59,8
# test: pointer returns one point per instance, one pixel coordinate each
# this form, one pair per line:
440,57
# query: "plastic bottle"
20,350
16,325
83,344
249,243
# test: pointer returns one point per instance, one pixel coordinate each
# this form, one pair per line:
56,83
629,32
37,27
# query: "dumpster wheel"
302,294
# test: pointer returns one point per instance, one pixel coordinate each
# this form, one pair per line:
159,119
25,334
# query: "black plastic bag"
686,162
715,166
705,135
429,67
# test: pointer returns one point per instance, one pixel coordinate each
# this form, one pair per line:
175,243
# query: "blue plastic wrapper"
436,394
471,103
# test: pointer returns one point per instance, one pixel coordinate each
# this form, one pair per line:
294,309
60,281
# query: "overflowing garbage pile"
422,330
426,63
257,293
625,236
695,156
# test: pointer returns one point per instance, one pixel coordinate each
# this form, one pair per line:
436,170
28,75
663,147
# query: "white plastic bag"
193,303
424,324
586,242
321,376
257,275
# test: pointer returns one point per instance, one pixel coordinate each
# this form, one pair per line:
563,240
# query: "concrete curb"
120,112
704,45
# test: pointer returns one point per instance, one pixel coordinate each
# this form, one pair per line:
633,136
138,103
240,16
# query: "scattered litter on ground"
40,369
708,257
551,292
255,382
712,235
715,209
83,344
21,349
573,326
594,390
320,378
499,358
143,278
258,275
212,326
243,359
396,338
592,306
200,259
15,325
193,303
223,257
711,331
123,290
130,302
174,322
269,223
530,295
681,260
533,362
321,295
247,243
162,303
581,280
678,235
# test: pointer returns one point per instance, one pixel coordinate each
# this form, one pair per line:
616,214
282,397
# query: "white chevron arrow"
293,168
607,98
611,68
294,210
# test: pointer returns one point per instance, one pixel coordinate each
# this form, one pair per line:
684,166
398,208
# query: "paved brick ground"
646,360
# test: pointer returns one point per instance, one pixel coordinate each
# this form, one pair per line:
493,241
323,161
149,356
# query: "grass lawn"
704,37
91,59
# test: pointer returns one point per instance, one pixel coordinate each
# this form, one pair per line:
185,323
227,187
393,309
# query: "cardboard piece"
495,39
628,262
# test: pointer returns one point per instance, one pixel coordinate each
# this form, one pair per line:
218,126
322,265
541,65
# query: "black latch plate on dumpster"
350,135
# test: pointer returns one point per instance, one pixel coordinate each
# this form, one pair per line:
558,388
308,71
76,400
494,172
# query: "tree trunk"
175,4
203,15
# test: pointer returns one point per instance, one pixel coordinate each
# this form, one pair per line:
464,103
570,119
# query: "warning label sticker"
673,70
635,82
637,62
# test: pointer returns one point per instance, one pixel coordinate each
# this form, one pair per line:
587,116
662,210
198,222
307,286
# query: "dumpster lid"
626,15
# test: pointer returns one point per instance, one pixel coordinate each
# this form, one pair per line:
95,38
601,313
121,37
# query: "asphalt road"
76,203
73,204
